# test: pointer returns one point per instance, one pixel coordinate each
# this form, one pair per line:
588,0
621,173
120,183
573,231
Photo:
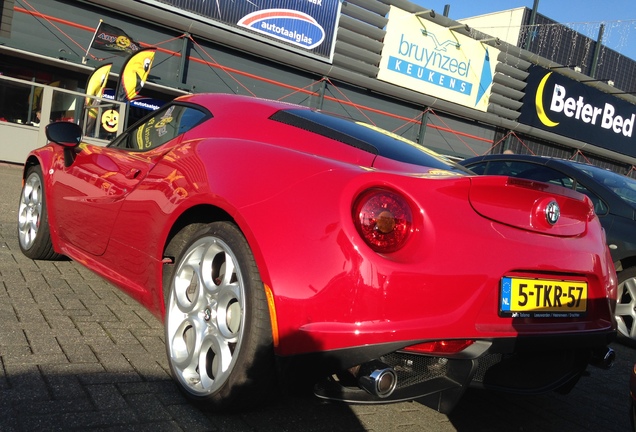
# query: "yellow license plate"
543,297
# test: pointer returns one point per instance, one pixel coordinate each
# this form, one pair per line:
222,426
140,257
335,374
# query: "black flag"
113,39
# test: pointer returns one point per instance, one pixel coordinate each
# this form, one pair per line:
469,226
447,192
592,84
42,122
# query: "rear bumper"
526,365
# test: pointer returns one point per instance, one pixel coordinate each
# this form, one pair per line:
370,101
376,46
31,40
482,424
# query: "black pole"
185,50
597,50
321,93
422,132
533,20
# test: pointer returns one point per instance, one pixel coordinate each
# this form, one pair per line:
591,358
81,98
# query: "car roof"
566,165
601,181
360,135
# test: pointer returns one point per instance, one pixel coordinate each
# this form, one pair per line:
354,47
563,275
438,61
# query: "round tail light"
383,219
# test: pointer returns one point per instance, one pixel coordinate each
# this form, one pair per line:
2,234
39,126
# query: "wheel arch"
31,161
206,214
625,263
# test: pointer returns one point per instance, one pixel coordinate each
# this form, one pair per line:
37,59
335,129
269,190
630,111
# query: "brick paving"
76,354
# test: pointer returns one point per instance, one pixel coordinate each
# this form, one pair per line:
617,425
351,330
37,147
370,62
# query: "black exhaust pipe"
603,358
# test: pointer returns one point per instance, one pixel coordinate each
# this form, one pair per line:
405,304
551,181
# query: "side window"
508,168
189,118
478,168
160,128
547,175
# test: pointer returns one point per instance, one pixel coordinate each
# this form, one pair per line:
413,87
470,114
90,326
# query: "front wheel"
33,224
217,324
626,305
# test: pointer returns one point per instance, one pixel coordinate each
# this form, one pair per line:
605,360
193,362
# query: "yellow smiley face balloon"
110,120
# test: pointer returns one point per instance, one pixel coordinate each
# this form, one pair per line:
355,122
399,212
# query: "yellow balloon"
110,120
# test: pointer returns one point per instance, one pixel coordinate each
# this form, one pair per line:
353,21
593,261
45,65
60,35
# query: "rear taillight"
383,219
441,347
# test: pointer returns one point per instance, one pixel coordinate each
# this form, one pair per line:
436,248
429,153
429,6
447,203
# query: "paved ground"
77,354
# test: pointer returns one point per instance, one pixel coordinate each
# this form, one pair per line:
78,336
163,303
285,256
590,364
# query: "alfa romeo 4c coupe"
276,241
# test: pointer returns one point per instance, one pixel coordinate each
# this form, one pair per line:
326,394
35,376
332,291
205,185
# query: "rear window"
365,137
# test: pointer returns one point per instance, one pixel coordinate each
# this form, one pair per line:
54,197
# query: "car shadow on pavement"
599,401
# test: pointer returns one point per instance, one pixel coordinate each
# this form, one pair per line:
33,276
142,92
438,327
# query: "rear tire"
33,223
217,324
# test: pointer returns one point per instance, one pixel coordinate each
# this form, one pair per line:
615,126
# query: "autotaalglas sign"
291,26
307,27
561,105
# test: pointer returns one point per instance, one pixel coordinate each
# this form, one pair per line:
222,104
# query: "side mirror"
64,133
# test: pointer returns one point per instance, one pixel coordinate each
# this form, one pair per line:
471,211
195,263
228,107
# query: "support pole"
597,50
185,50
533,20
422,131
321,93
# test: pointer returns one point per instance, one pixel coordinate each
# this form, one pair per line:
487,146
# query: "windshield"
623,186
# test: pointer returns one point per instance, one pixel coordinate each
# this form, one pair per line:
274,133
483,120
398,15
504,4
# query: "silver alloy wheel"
30,211
626,308
205,316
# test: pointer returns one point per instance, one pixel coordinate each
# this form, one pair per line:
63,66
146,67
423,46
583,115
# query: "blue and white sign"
428,58
304,26
294,27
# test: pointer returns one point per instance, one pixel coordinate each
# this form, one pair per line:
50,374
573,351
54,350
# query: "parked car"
614,198
632,397
276,241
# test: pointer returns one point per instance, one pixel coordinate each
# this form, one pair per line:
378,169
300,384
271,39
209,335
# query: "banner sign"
134,74
425,57
308,27
95,86
558,104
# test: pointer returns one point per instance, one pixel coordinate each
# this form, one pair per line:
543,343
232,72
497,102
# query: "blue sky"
584,16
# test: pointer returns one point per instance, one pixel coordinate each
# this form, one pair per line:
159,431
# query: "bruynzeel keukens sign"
558,104
307,26
428,58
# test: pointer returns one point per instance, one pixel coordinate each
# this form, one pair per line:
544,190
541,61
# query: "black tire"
33,224
217,324
626,306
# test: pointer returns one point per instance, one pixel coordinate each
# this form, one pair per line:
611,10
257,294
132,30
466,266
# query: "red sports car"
278,241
